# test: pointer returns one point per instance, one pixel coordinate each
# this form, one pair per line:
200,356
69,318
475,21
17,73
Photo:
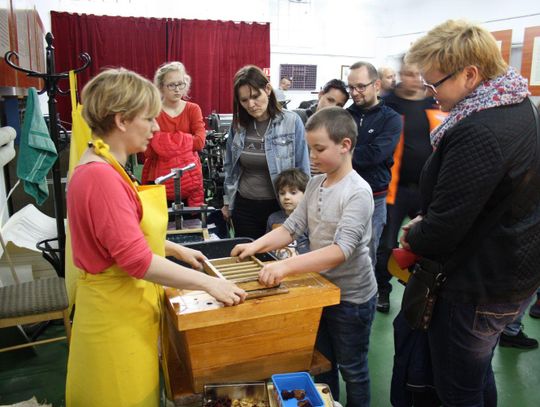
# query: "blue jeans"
462,338
513,328
343,338
377,225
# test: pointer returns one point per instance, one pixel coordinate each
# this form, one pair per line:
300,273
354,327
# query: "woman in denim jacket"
264,140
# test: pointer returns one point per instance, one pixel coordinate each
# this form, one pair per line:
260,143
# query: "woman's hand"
273,273
225,212
194,258
243,250
225,291
406,228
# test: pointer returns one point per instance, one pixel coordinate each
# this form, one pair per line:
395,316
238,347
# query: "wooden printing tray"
244,273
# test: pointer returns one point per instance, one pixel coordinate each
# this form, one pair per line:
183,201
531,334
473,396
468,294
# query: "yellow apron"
80,136
113,356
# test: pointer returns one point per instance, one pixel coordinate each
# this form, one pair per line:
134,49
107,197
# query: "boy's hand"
273,273
243,250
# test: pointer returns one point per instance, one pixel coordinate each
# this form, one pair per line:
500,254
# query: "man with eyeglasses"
379,128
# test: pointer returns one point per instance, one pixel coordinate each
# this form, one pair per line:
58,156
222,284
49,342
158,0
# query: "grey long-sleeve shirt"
340,214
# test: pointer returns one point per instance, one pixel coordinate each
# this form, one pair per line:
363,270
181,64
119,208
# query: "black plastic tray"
215,249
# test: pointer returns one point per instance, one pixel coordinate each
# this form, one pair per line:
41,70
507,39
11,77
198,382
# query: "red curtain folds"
212,52
134,43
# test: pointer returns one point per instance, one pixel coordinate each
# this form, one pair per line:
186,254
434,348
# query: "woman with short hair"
480,206
118,238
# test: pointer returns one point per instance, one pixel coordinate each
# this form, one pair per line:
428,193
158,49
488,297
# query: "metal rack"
56,256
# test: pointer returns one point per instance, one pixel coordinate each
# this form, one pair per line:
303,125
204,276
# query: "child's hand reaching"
273,273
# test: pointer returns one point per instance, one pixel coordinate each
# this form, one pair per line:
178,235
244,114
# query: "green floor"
24,374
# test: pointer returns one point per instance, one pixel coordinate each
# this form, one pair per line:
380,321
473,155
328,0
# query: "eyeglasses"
433,86
361,88
174,86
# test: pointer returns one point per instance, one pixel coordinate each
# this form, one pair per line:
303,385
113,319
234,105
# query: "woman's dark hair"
255,78
336,84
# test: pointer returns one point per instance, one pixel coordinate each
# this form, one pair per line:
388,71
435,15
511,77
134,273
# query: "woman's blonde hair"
117,91
159,77
455,44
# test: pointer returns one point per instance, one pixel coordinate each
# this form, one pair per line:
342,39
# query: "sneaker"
383,302
520,341
535,309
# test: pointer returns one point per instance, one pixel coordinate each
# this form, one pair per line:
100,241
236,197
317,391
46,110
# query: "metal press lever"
178,205
174,171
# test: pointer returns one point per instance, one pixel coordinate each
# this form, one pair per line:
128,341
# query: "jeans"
407,204
462,338
343,338
377,224
513,328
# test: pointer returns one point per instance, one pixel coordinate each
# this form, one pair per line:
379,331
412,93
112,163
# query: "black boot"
383,302
520,341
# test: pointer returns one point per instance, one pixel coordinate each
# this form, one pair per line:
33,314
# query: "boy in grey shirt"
336,212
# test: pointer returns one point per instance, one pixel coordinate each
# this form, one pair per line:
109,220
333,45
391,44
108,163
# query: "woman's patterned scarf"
507,89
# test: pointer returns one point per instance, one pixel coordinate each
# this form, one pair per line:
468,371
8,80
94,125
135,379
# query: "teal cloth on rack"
37,152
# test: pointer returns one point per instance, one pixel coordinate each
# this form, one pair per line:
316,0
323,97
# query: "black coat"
479,162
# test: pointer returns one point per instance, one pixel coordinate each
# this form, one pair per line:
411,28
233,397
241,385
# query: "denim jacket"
285,147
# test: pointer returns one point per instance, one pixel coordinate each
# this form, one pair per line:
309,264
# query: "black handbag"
421,292
427,276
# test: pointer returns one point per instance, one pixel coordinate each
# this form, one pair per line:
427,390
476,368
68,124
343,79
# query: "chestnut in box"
296,381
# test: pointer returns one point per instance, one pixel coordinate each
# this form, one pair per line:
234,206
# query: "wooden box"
251,341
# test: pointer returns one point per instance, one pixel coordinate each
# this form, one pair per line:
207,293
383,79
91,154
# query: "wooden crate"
252,341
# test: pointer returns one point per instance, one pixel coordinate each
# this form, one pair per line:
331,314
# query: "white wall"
410,19
326,33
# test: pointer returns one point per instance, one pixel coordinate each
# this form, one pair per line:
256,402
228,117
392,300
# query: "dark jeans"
343,338
250,216
378,220
461,339
407,204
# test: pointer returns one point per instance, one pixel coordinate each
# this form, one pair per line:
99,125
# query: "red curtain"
212,52
134,43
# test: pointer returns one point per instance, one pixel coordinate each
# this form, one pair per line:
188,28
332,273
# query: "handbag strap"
485,227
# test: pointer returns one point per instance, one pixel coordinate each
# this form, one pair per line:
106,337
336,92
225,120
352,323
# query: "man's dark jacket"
378,134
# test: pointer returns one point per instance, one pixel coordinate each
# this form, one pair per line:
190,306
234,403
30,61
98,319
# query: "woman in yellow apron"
118,237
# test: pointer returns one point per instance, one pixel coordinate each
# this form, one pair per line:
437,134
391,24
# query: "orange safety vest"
435,118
